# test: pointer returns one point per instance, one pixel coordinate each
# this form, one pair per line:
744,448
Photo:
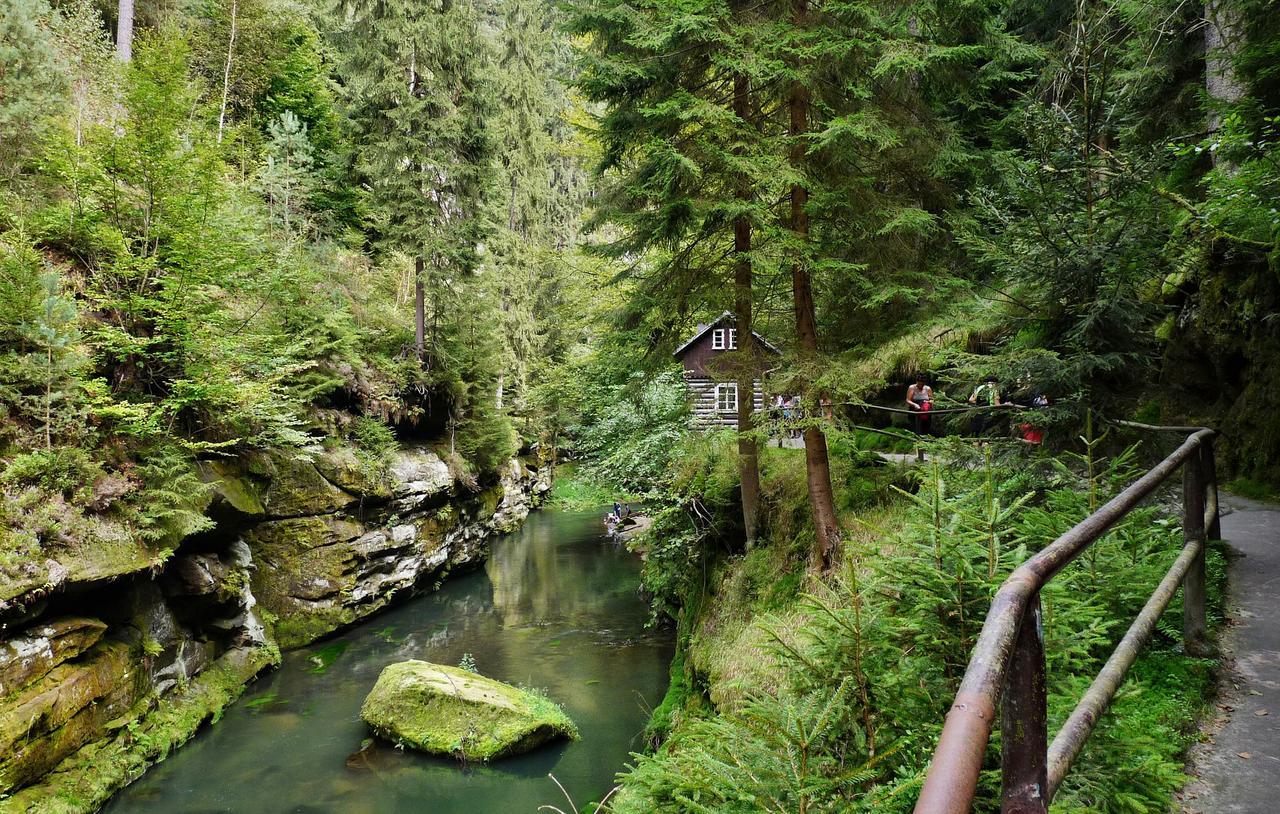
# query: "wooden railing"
1007,668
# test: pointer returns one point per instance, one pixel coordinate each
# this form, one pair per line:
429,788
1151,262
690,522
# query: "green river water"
556,606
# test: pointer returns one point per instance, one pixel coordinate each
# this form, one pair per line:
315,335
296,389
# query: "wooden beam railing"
1007,668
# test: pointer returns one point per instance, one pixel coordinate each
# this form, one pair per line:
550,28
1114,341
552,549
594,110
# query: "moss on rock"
343,467
86,779
450,711
232,484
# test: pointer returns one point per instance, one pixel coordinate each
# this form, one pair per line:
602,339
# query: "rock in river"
451,711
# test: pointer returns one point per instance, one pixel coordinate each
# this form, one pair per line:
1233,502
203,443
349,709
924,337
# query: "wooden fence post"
1024,735
1214,530
1195,633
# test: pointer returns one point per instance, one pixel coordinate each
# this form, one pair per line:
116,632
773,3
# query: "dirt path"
1237,771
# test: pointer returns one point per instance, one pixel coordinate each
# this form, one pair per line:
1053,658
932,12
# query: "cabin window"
726,398
724,339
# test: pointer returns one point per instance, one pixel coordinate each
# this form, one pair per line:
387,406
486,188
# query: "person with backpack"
986,395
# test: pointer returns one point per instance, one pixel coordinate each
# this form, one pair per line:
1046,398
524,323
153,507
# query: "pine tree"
32,83
287,177
690,171
524,241
415,78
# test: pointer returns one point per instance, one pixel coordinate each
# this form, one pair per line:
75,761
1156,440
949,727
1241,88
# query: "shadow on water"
555,607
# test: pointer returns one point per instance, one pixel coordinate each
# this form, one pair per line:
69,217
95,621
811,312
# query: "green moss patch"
450,711
85,780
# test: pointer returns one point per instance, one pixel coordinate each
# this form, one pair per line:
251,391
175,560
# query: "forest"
302,301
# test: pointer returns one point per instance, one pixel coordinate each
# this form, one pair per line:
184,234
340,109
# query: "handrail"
1007,667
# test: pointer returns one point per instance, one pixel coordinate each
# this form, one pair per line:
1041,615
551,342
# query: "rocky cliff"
113,655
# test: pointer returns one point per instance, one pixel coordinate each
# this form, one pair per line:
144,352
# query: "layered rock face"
335,540
106,667
105,661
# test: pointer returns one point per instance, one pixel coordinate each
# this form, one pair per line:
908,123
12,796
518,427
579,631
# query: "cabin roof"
702,330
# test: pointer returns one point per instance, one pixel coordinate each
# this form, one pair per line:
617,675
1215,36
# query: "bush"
67,471
373,439
868,671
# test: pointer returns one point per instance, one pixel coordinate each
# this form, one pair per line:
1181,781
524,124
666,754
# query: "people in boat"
920,402
984,395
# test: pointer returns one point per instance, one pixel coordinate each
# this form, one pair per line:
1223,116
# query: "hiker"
1032,434
779,403
790,413
920,402
986,394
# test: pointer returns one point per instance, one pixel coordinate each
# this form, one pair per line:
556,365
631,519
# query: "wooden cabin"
709,380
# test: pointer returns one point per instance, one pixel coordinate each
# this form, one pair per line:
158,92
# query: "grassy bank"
794,693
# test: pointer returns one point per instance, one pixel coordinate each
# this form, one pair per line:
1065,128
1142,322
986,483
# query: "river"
556,606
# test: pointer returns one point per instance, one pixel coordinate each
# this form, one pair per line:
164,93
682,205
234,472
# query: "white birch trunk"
124,31
226,71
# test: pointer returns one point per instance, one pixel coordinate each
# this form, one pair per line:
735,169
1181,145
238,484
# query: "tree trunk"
1223,32
419,307
748,363
226,74
124,31
817,464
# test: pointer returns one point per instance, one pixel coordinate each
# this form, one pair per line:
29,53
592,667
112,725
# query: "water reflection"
555,607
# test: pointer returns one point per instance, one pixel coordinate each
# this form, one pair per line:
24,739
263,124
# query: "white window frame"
726,396
733,338
717,339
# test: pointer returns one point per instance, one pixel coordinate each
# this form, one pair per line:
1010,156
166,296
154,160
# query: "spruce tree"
817,463
523,243
416,80
688,172
32,83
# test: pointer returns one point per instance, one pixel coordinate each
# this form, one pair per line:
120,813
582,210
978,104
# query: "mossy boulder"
450,711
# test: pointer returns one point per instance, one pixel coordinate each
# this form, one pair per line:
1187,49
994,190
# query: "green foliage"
627,431
875,651
172,504
1251,488
32,83
575,490
287,178
373,439
415,86
772,753
66,471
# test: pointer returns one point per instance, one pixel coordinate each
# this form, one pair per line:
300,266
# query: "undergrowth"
798,694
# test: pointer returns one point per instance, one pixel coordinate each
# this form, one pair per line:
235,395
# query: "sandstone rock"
417,475
235,486
450,711
297,488
342,467
33,653
63,710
